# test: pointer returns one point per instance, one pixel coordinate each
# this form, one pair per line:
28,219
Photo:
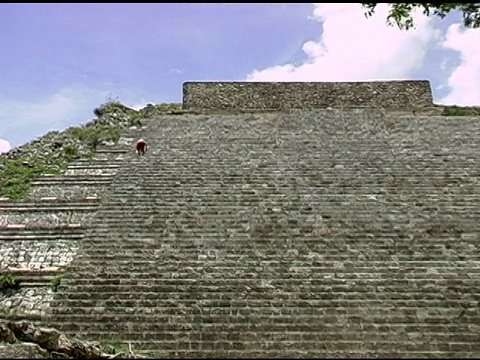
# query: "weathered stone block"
305,95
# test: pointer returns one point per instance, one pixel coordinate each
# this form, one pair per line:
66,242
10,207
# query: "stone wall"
305,95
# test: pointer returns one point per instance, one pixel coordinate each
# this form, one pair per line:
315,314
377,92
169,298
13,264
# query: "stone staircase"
84,179
326,233
40,236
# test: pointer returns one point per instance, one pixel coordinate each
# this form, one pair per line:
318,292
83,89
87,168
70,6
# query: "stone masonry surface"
69,192
37,254
320,234
40,236
28,301
304,95
46,219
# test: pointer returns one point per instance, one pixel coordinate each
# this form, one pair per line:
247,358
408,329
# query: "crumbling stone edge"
51,343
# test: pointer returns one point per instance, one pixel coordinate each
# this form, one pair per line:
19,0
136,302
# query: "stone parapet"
305,95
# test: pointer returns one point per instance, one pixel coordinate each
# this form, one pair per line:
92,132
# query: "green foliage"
400,14
460,111
162,109
10,281
16,176
118,347
56,281
109,107
136,120
112,133
80,133
169,108
93,135
70,152
94,139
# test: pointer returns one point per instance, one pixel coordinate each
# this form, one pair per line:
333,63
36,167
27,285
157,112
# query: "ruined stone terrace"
329,232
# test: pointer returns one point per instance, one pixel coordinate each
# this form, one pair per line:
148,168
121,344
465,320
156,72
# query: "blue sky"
60,61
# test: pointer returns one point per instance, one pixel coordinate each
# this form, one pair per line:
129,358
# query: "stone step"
257,225
301,200
250,219
100,172
241,325
53,215
292,192
310,167
206,325
157,181
279,205
227,207
324,163
270,236
228,204
359,156
94,165
98,181
302,197
223,254
109,158
47,200
32,236
81,177
69,191
220,347
278,199
297,321
35,207
321,140
238,351
245,342
197,323
186,248
185,297
421,181
119,302
249,222
25,230
72,228
299,133
197,239
303,181
247,276
196,167
306,280
97,161
281,264
269,350
294,179
332,230
112,151
225,231
321,240
298,138
33,277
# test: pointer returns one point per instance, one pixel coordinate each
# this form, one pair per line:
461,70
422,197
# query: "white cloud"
175,71
24,120
4,146
354,48
464,81
139,104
